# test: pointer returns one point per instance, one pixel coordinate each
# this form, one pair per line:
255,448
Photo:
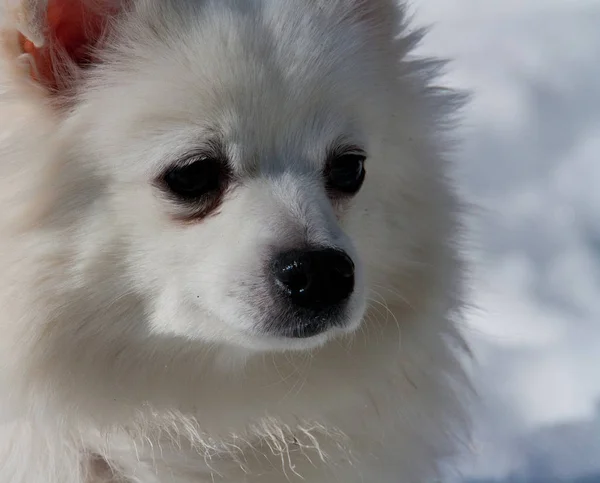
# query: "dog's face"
236,141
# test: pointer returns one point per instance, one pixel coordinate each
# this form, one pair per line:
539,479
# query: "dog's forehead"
273,89
254,53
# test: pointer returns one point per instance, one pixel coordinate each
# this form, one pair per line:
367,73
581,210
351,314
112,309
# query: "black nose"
315,279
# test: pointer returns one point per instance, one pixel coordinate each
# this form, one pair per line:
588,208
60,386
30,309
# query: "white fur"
128,339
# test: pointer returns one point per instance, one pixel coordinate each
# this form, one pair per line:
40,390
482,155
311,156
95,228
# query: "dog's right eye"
193,182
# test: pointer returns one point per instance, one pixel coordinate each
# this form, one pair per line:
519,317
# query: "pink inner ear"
72,29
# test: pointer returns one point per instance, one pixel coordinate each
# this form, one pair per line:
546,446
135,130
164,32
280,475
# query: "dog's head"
248,164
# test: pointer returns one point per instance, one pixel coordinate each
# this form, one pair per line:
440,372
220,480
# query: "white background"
531,162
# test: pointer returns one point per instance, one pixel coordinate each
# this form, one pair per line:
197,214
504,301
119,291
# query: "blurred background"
531,163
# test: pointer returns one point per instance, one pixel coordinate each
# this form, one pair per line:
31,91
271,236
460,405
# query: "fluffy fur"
128,349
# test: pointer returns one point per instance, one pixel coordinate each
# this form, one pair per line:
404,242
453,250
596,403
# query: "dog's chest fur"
272,458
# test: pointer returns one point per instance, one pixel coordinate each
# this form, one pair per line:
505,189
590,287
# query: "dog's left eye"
346,172
195,181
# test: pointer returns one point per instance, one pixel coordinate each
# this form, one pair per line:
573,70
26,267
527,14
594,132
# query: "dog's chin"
297,341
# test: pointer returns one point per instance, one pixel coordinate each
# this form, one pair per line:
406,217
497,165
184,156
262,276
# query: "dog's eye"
194,181
346,172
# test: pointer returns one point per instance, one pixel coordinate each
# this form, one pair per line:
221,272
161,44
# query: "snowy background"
531,162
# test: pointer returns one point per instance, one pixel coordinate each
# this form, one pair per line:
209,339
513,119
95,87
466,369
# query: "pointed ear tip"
57,35
27,17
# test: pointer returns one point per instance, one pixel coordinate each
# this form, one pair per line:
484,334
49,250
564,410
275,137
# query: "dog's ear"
57,37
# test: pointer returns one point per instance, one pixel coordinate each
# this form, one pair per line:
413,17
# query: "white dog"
228,245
